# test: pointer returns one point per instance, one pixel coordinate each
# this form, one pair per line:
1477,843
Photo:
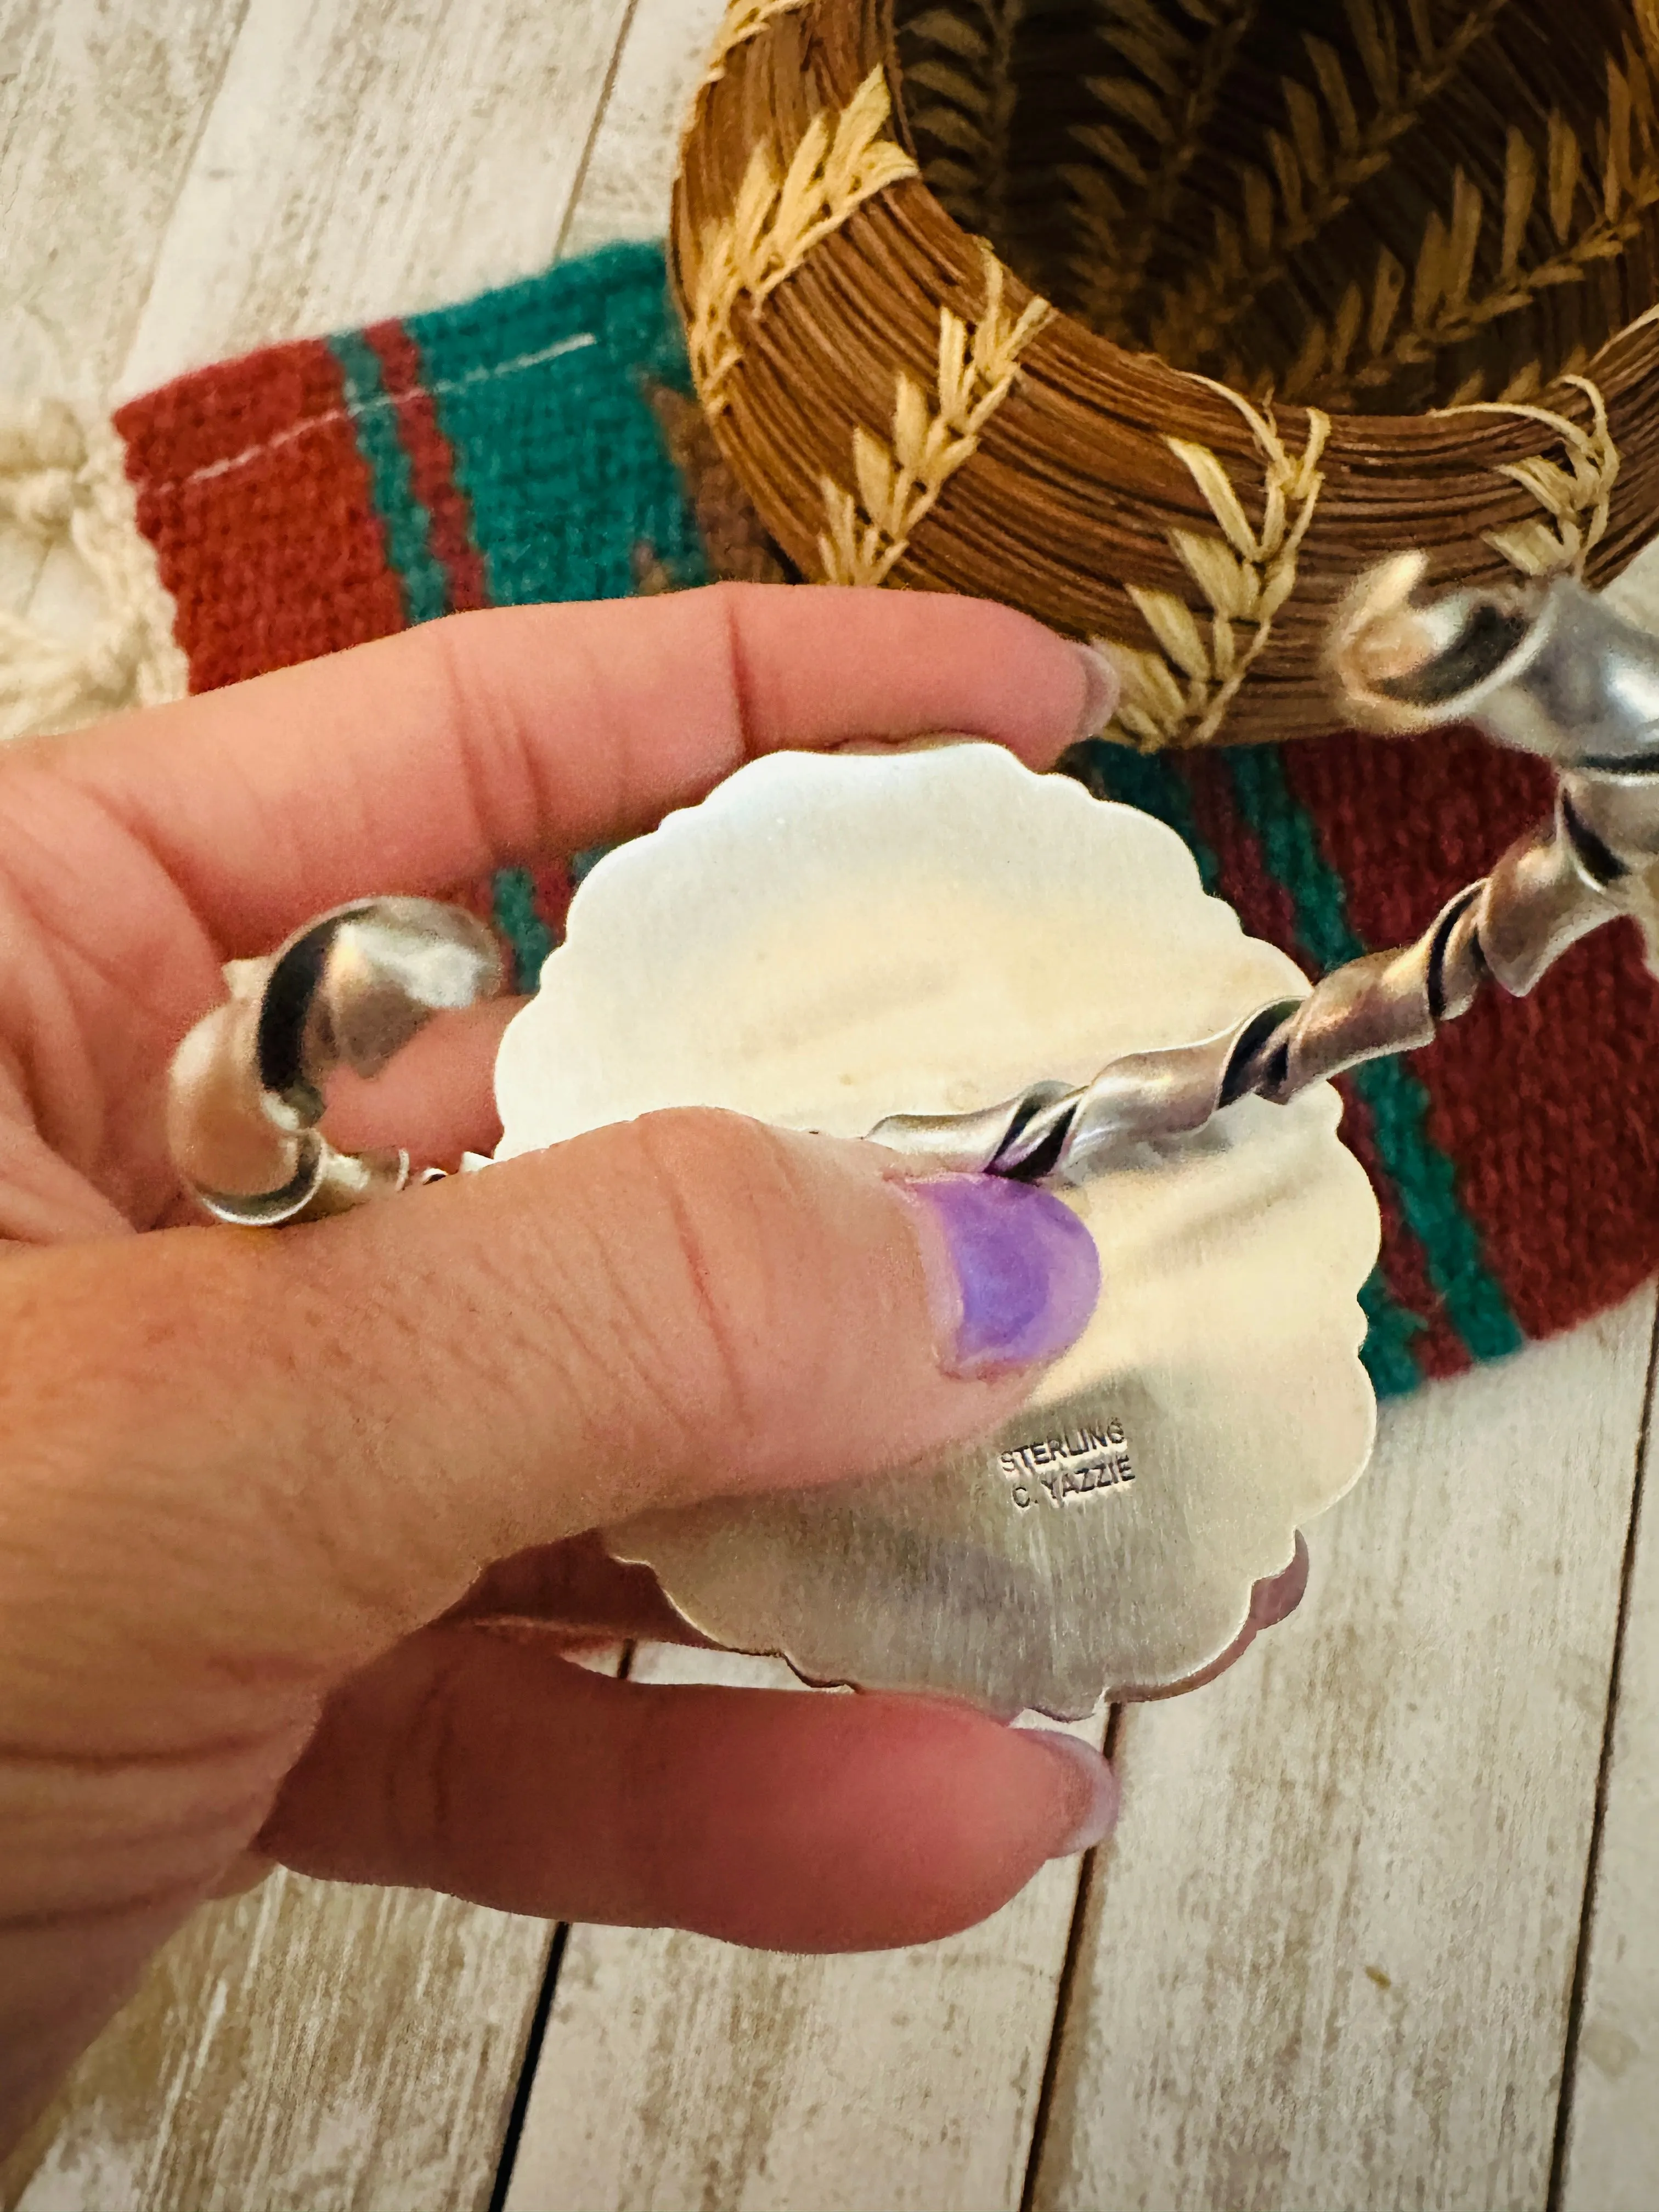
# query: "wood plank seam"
1075,1935
1603,1781
536,2033
535,2036
601,109
186,173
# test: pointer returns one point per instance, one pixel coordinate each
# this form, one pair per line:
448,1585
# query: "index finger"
485,740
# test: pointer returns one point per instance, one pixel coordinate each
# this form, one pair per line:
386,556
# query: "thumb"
267,1456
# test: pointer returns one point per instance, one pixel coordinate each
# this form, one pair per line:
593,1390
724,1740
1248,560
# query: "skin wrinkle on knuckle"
741,1234
739,672
632,1437
149,811
60,1101
544,1374
172,1896
512,1326
617,1349
98,1838
547,1349
325,1382
492,751
625,766
511,777
113,967
392,1514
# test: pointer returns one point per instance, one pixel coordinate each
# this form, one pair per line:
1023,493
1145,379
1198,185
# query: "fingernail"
1102,688
1095,1787
1013,1273
1277,1598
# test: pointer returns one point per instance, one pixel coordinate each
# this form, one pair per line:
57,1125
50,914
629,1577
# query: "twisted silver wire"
1567,678
1550,669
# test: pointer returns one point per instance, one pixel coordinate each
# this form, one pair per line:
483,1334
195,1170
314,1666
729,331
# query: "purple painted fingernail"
1013,1275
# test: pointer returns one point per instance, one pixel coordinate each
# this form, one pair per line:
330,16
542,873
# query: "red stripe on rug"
1265,908
552,891
432,465
475,897
251,489
1437,1347
1260,900
1543,1103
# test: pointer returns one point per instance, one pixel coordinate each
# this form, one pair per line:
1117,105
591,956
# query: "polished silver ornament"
249,1085
997,974
828,942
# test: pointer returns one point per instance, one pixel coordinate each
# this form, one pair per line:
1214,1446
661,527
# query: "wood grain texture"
307,2045
630,175
369,157
683,2075
1612,2136
1612,2143
306,2048
1329,1952
101,110
1327,1962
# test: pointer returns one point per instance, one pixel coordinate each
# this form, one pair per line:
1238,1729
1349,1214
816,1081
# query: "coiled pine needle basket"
1164,319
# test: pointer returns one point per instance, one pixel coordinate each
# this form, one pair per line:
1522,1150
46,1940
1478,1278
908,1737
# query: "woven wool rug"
540,442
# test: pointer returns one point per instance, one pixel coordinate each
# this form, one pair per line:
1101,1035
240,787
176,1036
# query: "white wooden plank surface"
1612,2143
307,2046
101,109
369,157
1402,1780
1329,1952
630,175
679,2074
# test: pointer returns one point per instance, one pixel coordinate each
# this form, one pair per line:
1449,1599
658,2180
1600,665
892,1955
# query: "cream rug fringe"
63,482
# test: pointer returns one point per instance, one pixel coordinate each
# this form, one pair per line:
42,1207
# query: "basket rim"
1369,427
1207,535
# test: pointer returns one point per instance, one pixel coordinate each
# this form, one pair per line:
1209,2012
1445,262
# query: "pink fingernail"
1276,1599
1096,1787
1104,688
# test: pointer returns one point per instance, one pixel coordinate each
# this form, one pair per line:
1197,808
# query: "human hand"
292,1548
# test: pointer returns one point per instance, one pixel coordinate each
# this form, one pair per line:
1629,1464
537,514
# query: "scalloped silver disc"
827,941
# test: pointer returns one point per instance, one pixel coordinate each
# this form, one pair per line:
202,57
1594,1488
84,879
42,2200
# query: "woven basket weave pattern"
1076,304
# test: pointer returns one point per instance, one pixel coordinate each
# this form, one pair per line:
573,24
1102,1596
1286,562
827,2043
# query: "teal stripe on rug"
1148,782
514,901
1152,783
408,528
1424,1175
425,588
1386,1351
540,389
